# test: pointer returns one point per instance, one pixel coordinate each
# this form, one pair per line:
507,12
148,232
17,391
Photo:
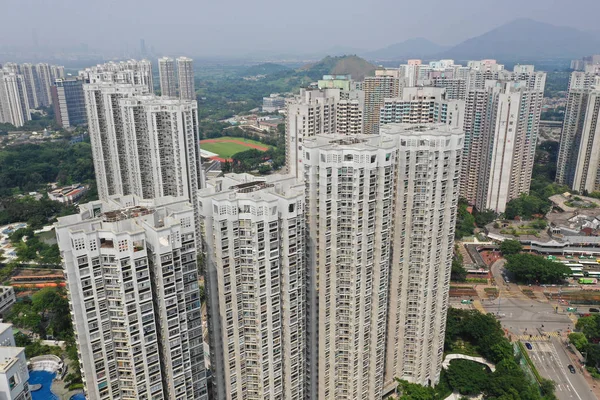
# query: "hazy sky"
218,27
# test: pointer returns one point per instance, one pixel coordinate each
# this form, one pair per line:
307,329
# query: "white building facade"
14,375
132,284
166,72
426,198
421,105
578,162
185,74
501,127
253,229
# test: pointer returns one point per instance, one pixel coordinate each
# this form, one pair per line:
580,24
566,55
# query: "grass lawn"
225,149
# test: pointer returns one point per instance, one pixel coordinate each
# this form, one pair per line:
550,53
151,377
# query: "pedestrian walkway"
532,338
479,307
538,338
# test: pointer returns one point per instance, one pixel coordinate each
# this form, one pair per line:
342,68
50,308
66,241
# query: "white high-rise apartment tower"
310,113
254,233
14,103
185,73
336,107
142,145
424,217
132,72
44,82
420,105
501,128
107,135
349,203
166,73
367,195
385,84
578,163
132,284
30,76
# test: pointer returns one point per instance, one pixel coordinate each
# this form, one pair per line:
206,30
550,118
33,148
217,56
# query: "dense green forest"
29,167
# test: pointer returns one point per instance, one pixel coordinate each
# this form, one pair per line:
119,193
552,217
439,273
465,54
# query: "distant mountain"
411,48
264,69
526,39
352,65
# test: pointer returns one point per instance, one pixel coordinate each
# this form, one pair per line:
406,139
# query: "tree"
465,222
509,382
547,388
458,273
509,247
530,268
589,326
467,377
482,218
264,169
578,339
539,224
525,206
412,391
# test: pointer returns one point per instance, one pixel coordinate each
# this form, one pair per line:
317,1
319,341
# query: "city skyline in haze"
240,28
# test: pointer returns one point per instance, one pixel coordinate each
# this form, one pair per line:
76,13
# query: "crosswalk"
538,338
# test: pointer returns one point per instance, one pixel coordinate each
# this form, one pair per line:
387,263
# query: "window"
186,222
123,245
79,244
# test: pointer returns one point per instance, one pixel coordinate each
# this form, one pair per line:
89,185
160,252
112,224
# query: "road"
538,323
551,360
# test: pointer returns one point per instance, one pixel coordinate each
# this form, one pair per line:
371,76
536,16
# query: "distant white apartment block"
14,103
419,105
166,71
254,232
501,128
185,75
385,84
273,103
578,163
142,145
7,299
310,113
132,282
132,72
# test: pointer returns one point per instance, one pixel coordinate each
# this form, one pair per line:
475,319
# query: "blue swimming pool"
44,378
79,396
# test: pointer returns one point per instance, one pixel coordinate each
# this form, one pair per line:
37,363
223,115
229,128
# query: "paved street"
551,360
538,323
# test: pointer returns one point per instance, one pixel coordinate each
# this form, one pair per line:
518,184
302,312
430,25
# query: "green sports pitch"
226,147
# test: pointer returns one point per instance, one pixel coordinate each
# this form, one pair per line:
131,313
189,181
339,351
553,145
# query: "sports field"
226,147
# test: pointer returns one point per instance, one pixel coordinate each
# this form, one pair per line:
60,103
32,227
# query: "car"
571,368
528,345
594,310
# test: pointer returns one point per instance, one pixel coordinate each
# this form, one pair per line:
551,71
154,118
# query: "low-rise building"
68,194
573,229
273,103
